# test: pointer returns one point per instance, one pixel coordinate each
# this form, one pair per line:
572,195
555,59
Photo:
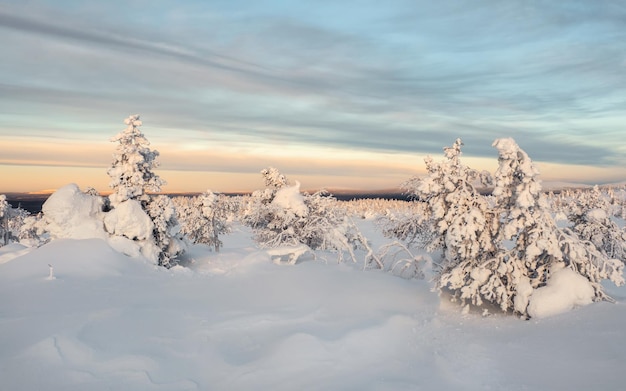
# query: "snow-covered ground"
237,321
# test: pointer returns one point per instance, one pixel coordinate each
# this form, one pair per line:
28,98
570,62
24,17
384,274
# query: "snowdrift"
237,321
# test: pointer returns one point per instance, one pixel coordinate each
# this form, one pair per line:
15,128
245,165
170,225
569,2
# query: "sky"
335,94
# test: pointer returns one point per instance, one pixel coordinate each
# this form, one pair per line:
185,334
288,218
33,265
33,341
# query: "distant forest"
33,202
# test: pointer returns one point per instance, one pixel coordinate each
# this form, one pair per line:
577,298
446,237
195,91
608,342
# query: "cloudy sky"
334,93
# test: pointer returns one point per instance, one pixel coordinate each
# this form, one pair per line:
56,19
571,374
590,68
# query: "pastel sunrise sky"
335,94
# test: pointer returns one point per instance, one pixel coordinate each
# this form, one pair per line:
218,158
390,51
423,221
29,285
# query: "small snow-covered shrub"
411,226
204,218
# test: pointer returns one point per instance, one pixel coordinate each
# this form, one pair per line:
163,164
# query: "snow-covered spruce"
166,233
452,216
11,221
522,270
204,218
281,216
131,171
32,231
504,252
591,217
132,178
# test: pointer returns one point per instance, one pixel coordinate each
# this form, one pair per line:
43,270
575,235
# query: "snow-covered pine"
4,220
132,179
453,217
282,216
204,218
131,171
590,214
11,221
166,233
254,209
502,249
214,210
32,232
530,243
527,240
273,178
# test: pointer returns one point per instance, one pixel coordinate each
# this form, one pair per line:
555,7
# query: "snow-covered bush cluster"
371,208
505,249
206,217
487,240
592,215
132,220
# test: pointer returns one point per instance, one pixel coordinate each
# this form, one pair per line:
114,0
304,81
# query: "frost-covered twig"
397,254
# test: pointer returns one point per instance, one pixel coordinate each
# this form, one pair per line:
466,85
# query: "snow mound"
290,198
565,290
596,215
72,214
131,231
236,321
288,254
129,219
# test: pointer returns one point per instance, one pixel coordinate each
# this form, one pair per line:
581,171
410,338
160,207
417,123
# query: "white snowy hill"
237,321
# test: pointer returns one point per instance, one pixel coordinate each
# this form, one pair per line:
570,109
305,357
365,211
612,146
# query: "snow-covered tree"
131,171
11,221
504,251
32,232
166,233
132,179
204,218
454,216
4,220
590,214
529,247
282,216
273,178
508,278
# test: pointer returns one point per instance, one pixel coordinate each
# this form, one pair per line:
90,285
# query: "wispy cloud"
403,77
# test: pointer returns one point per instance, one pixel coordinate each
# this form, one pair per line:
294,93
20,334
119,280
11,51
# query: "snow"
235,320
596,215
72,214
132,240
290,253
565,290
129,219
289,198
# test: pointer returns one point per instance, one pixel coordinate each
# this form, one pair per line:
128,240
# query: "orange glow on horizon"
50,164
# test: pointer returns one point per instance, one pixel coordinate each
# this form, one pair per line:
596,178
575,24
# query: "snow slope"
237,321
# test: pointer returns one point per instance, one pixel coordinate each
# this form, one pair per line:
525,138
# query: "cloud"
406,78
121,42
